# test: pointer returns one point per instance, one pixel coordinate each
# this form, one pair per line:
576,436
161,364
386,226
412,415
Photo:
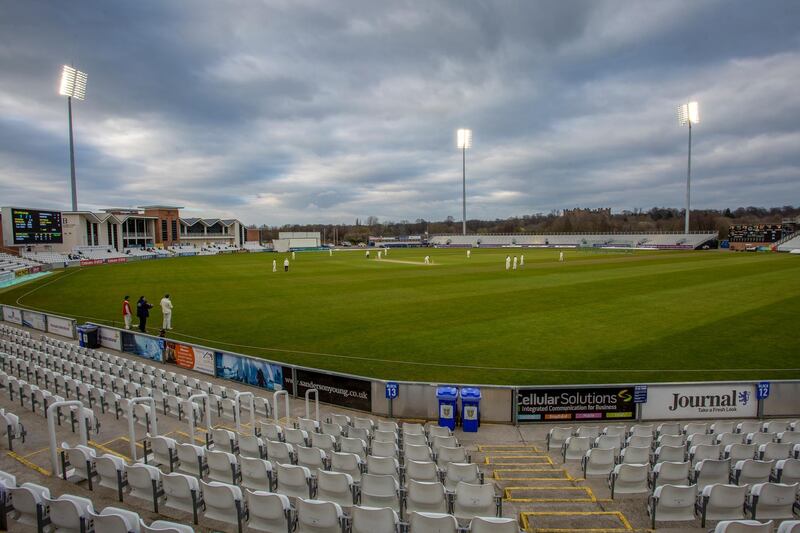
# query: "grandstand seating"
98,252
12,263
632,240
790,245
251,481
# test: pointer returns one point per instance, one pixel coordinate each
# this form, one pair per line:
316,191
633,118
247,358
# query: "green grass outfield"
599,317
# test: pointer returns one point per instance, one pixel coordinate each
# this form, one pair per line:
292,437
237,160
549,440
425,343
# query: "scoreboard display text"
31,226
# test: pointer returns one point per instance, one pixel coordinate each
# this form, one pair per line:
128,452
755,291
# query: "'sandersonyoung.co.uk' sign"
700,401
592,403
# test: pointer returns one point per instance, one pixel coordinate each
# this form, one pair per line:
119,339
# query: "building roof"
159,207
208,221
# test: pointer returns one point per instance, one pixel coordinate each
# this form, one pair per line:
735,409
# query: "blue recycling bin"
470,409
88,336
448,398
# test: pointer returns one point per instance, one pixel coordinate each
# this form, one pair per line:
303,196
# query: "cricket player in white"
330,252
367,254
508,262
468,254
286,265
561,257
521,261
292,256
515,263
427,260
274,266
379,255
166,311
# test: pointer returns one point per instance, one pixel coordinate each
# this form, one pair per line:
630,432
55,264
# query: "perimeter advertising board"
190,357
32,319
700,401
250,371
334,389
590,403
144,346
110,338
61,326
12,314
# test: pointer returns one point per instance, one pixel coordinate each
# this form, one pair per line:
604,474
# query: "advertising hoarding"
61,326
334,389
12,314
250,371
34,320
589,403
144,346
700,401
110,338
190,357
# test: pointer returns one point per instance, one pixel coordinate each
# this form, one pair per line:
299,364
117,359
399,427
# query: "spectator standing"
166,311
127,314
143,311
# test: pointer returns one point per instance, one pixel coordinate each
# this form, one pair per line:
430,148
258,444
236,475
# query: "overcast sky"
287,111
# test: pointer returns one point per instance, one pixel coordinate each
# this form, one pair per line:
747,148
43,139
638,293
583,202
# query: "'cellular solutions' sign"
700,401
593,403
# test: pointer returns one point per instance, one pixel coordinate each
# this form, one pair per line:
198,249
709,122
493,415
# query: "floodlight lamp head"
689,113
464,139
73,83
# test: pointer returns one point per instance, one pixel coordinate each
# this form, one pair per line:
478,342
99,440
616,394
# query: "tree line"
656,219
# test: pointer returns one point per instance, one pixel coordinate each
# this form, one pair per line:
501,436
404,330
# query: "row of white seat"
763,501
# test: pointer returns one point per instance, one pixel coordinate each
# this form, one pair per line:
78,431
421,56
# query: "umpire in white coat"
166,311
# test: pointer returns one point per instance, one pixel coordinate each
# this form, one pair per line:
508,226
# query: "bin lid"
446,393
87,327
470,393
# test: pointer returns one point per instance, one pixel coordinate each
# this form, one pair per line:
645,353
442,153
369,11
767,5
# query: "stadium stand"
140,252
791,245
12,263
98,252
607,240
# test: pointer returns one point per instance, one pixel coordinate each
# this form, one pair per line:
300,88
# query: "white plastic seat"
749,426
82,459
335,487
461,472
224,440
182,492
311,458
674,454
380,435
772,501
358,433
165,526
635,455
25,500
704,451
222,467
774,451
115,520
723,426
280,452
421,471
435,430
697,439
111,473
591,432
743,526
493,524
412,428
271,431
373,520
791,437
352,445
721,502
759,438
695,427
224,503
475,500
165,452
424,522
69,513
641,430
347,463
670,473
416,439
251,446
268,512
308,425
639,441
314,516
739,452
256,473
323,441
724,439
295,437
787,471
342,420
671,440
11,428
331,428
428,497
789,526
449,454
751,471
440,441
144,482
192,459
575,448
384,449
262,406
629,479
384,466
380,491
294,481
598,462
775,426
711,472
672,503
364,423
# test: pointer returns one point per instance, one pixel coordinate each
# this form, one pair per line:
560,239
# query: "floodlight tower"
688,114
464,141
73,85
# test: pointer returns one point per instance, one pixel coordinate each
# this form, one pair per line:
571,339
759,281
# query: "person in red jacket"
127,314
